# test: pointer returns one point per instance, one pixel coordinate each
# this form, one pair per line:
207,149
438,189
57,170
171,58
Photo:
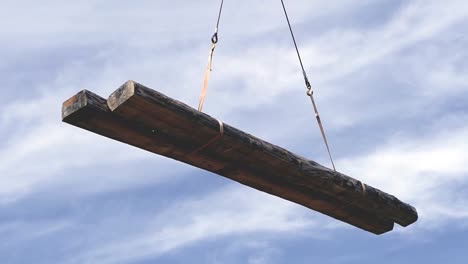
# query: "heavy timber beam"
144,118
90,112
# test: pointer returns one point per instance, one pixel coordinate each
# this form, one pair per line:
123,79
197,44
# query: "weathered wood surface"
144,118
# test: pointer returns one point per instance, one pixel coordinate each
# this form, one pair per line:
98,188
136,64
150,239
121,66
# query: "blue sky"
390,79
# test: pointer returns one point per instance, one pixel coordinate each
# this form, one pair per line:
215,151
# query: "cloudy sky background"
391,82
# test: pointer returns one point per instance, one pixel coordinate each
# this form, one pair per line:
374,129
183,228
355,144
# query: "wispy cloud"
427,170
228,212
26,231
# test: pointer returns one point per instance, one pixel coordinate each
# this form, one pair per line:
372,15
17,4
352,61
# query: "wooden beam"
144,118
89,111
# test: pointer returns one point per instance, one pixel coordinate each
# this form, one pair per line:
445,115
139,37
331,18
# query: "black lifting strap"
310,92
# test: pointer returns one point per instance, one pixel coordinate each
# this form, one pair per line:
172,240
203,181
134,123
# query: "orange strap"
207,77
211,141
364,189
310,93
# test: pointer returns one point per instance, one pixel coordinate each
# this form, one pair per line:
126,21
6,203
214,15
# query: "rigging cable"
214,40
310,92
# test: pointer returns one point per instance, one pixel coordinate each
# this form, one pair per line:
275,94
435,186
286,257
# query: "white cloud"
228,212
417,21
22,231
426,170
261,74
43,152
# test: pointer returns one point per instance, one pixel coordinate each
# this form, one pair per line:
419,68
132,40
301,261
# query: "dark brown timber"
144,118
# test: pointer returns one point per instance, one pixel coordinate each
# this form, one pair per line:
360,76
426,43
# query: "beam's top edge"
79,101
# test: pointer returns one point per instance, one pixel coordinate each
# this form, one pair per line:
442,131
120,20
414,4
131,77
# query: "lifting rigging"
310,92
139,116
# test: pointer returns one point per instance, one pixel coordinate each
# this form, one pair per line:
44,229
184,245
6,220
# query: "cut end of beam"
125,92
84,110
82,100
73,104
411,216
